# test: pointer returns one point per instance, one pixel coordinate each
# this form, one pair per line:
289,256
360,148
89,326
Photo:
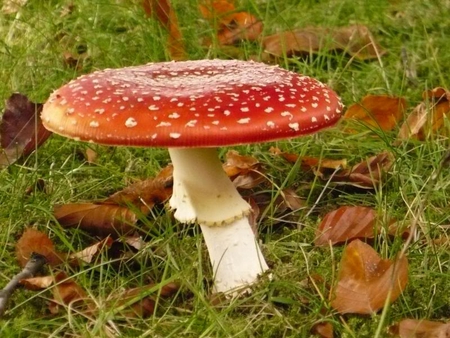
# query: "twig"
34,264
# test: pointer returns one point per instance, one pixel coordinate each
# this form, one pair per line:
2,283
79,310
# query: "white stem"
235,255
203,193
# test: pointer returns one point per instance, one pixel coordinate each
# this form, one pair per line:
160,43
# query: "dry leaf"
38,283
12,6
323,330
137,305
366,281
232,27
355,40
309,162
380,111
66,291
345,224
98,219
33,240
21,129
366,174
428,117
415,328
86,255
244,171
164,13
143,195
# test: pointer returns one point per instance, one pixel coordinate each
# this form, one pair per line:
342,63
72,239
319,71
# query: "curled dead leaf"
366,174
420,328
97,219
428,117
345,224
380,111
366,281
21,129
33,240
355,40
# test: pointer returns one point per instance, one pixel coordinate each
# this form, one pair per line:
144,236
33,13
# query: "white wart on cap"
201,103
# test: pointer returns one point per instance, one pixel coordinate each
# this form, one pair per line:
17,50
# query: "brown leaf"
428,117
38,283
415,328
366,281
232,27
12,6
244,171
33,240
345,224
86,255
143,195
309,162
366,174
355,40
164,13
66,291
21,129
380,111
97,219
137,305
323,330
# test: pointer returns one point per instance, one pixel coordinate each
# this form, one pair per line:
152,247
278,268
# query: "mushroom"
192,107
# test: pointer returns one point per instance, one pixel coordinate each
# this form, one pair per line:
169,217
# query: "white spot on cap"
94,124
156,98
327,118
313,119
268,110
153,107
294,126
244,120
175,135
245,109
226,112
191,123
99,111
314,105
270,124
174,116
286,113
164,124
131,122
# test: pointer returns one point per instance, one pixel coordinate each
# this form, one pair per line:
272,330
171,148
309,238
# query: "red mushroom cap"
202,103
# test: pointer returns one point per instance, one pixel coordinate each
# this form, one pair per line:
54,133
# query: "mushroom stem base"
235,255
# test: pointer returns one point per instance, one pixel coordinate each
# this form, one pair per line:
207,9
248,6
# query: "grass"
115,34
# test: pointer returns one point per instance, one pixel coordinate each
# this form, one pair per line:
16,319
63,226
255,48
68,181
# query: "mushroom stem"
203,193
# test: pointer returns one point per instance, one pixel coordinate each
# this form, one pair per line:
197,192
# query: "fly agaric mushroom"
191,107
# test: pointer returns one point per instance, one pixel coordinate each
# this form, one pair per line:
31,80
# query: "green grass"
116,34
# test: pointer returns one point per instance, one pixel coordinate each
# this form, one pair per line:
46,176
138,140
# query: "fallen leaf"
12,6
366,174
67,292
419,328
97,219
380,111
164,13
428,117
32,240
345,224
309,162
244,171
355,40
37,283
133,302
86,255
231,26
323,330
21,129
366,281
143,195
